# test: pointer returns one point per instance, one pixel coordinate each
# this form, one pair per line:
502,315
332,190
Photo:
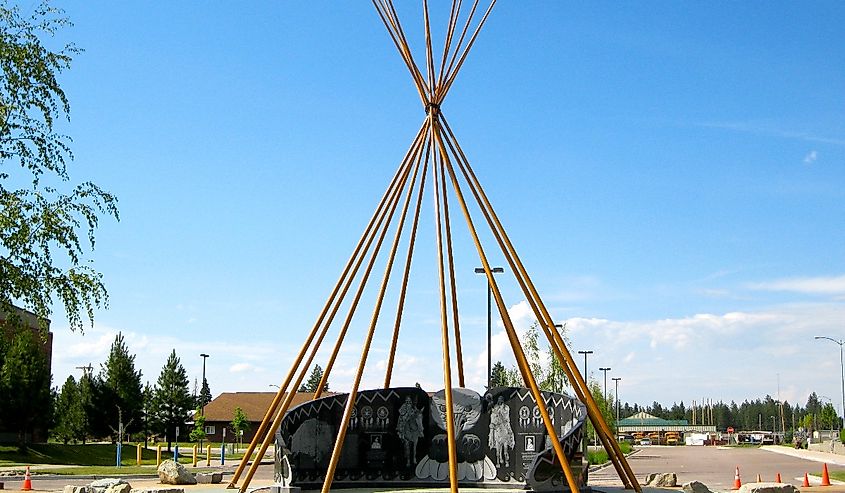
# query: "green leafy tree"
25,383
70,415
827,417
531,348
314,381
240,422
198,433
121,386
171,398
45,225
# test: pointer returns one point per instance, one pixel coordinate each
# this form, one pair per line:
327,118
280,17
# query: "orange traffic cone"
759,478
777,479
27,481
737,481
825,477
806,483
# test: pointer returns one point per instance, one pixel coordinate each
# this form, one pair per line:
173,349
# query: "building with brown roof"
220,411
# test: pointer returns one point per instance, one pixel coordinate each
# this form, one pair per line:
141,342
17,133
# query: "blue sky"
671,173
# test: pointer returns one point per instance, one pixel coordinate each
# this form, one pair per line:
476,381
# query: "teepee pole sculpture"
434,153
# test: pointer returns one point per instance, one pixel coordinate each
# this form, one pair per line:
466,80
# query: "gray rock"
209,477
119,488
102,485
77,489
171,472
276,488
767,488
662,480
696,487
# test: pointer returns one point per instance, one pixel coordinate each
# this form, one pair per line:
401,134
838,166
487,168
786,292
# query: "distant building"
644,424
220,411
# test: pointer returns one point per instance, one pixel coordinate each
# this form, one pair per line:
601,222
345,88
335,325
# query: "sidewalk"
813,455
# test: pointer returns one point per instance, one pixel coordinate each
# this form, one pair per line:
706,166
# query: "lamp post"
605,370
585,353
494,270
202,408
616,380
841,369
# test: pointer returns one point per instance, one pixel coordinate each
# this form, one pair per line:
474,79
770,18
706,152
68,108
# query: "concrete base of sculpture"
397,436
277,488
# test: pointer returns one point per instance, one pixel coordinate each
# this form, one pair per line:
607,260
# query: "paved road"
715,466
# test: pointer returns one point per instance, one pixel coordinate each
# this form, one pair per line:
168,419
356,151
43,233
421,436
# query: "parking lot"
713,466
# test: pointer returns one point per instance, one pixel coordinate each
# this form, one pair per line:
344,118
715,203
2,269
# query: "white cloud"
242,368
806,285
811,157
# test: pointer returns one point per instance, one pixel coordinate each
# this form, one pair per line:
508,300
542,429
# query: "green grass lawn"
98,454
600,456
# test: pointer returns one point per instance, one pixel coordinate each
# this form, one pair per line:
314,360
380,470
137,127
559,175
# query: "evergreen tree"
121,386
205,394
314,381
147,416
70,415
172,400
87,401
498,375
25,381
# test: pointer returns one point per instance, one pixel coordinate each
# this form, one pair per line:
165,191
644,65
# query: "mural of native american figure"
501,434
410,429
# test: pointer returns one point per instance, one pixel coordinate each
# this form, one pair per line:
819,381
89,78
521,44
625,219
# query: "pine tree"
70,416
314,381
498,375
172,400
25,381
121,386
205,394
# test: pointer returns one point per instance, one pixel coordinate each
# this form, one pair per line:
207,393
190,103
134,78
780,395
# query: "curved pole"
459,357
363,284
365,351
503,311
403,291
444,324
298,360
557,343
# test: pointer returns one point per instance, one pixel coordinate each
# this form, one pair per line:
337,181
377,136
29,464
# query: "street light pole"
585,353
494,270
616,379
202,408
605,370
842,371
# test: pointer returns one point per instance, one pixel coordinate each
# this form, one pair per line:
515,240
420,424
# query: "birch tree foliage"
47,224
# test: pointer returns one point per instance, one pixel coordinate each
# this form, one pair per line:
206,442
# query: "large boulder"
767,488
662,480
171,472
696,487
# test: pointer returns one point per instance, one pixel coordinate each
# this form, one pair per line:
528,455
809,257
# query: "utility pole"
616,380
605,370
586,375
202,408
493,270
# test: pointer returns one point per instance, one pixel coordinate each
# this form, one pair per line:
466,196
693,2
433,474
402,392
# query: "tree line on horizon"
751,414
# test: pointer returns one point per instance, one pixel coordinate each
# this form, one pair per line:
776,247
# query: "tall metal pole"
202,408
841,370
585,353
605,370
616,379
494,270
